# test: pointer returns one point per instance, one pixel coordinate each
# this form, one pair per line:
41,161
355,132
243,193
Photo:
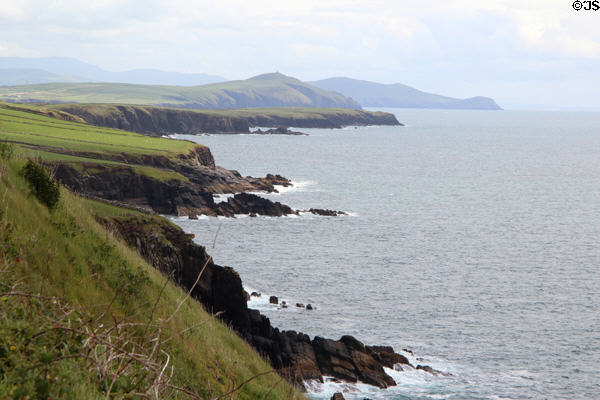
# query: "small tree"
41,184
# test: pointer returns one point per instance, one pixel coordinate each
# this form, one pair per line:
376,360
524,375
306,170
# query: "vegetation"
83,145
82,316
272,90
42,185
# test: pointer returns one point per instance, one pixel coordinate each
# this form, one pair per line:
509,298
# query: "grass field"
81,144
29,128
83,316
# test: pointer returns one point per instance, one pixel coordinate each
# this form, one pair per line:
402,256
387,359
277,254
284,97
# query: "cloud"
434,44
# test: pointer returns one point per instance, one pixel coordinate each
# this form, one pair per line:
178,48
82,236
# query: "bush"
42,185
6,150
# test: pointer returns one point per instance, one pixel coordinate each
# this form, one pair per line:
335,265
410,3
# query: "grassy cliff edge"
84,316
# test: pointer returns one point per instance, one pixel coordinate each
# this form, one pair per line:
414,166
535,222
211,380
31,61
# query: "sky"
524,54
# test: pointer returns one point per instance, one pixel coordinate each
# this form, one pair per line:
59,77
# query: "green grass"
63,276
25,127
82,145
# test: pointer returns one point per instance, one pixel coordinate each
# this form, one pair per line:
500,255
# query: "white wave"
262,303
181,218
297,186
222,196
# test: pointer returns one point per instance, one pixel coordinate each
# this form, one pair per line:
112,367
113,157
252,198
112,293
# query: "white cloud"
452,45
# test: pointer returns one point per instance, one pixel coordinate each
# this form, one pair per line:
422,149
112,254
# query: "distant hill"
268,90
26,76
64,69
372,94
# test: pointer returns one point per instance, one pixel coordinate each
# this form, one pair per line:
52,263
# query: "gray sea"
472,240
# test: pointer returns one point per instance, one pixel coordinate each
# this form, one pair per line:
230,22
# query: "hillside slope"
371,94
268,90
83,316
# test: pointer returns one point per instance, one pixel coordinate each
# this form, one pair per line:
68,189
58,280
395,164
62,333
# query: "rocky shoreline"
294,355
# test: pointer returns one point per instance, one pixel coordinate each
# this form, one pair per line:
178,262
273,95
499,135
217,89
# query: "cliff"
220,289
159,121
124,185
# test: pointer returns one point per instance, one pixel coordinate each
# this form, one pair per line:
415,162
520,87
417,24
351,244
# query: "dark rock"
352,343
279,131
337,396
432,371
252,215
246,296
326,213
309,307
246,203
284,304
273,300
408,351
193,216
255,294
386,356
299,305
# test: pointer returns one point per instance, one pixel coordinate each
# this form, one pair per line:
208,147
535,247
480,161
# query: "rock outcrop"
122,183
294,354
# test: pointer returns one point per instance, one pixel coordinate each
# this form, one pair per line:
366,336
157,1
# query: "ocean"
472,240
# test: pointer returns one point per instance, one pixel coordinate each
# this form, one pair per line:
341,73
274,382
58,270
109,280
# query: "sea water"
472,240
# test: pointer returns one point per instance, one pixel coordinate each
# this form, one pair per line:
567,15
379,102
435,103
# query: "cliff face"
330,120
157,121
220,289
123,184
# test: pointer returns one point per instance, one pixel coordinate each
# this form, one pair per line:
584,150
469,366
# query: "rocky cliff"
156,121
159,121
123,184
295,355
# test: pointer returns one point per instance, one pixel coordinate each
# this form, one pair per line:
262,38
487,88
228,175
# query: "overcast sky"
530,52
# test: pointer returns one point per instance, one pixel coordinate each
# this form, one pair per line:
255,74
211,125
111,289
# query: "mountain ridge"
262,91
71,67
373,94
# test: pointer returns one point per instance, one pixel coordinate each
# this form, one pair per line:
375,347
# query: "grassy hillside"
79,143
269,90
84,317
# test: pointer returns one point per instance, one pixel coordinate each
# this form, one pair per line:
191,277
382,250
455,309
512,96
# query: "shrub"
6,150
42,185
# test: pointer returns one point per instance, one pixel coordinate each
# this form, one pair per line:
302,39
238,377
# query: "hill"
65,69
268,90
372,94
85,316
